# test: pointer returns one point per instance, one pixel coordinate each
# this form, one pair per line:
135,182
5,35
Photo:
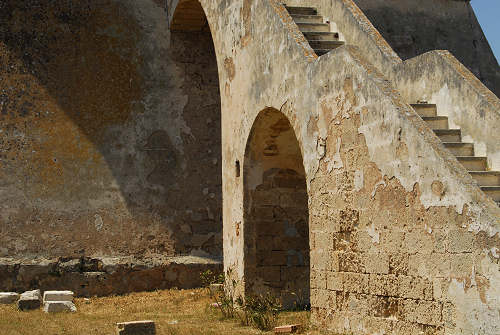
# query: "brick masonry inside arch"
276,212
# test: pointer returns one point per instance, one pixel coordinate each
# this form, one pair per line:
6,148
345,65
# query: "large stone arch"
276,231
194,52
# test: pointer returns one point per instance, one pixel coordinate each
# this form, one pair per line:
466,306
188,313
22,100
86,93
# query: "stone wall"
415,27
402,239
110,132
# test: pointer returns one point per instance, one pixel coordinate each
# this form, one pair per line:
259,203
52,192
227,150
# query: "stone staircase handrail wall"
438,77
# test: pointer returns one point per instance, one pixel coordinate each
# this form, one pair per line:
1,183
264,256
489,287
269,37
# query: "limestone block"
58,296
29,300
8,297
334,281
376,263
287,329
136,328
356,282
58,306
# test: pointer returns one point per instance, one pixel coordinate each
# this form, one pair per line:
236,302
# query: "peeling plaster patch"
428,229
230,68
471,312
358,180
382,182
373,233
494,252
336,161
321,147
98,222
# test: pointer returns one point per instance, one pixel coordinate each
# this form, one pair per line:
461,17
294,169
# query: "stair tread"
321,35
321,41
423,105
306,16
434,118
457,143
471,158
493,173
450,131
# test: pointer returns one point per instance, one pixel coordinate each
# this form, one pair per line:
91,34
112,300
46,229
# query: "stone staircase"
489,181
316,29
322,38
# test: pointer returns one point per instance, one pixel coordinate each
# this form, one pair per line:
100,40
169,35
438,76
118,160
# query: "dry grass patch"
176,312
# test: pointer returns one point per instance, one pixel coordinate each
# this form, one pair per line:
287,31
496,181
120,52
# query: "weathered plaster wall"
415,27
436,77
110,132
392,214
439,77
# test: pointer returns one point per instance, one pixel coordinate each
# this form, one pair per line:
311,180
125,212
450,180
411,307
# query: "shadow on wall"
111,130
276,227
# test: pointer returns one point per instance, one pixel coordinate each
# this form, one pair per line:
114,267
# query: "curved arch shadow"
276,218
121,129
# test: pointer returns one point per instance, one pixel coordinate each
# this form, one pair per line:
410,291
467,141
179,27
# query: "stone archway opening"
276,229
192,49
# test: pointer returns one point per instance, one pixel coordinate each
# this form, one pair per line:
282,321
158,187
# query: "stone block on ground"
29,300
8,297
58,296
288,329
58,306
136,328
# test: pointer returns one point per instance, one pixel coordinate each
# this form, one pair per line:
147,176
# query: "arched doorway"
192,49
276,228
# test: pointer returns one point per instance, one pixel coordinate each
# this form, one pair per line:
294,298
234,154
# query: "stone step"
493,192
486,178
449,135
301,10
460,148
473,163
436,122
426,110
326,44
307,27
321,36
299,18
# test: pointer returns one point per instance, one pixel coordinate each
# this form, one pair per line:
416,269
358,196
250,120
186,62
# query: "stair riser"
473,165
494,194
314,27
461,150
487,180
325,44
425,111
308,19
450,138
302,11
437,124
322,37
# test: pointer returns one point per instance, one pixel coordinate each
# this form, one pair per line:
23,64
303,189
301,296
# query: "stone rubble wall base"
88,277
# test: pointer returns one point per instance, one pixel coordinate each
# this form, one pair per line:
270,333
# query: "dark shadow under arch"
276,214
